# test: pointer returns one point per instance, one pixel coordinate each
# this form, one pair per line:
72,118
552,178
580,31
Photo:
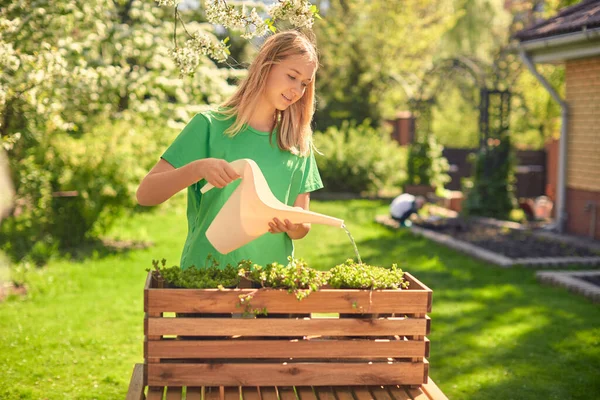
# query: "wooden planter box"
367,338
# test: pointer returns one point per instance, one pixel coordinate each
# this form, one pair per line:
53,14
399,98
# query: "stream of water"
353,243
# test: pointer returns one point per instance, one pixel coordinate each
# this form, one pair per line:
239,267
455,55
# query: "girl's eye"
292,77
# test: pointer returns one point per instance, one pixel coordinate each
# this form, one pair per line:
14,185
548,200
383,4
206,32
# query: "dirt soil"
593,279
508,242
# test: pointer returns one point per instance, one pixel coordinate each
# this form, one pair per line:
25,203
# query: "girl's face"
287,81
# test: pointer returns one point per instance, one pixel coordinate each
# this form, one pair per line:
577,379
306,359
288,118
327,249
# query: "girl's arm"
294,231
164,180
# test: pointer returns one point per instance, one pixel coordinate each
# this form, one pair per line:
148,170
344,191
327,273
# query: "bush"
103,166
426,165
359,159
489,192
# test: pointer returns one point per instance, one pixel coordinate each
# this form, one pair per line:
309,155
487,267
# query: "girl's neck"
263,117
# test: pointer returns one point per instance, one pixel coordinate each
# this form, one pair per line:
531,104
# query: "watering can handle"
237,165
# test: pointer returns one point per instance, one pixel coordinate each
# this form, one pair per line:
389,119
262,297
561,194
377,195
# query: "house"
572,38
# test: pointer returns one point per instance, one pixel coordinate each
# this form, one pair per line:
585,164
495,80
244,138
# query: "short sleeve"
311,179
191,144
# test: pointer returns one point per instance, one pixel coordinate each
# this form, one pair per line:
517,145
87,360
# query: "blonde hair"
294,132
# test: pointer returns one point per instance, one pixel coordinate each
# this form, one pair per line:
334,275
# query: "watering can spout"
248,211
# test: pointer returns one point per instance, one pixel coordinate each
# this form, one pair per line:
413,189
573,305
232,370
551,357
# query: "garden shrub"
359,159
426,165
489,192
103,166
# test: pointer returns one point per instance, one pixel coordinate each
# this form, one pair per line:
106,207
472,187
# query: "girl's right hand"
216,171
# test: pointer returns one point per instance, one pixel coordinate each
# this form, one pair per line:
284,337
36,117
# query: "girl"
266,120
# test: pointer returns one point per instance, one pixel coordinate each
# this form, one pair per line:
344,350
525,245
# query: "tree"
367,49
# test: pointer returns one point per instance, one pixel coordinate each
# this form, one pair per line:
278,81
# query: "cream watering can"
248,211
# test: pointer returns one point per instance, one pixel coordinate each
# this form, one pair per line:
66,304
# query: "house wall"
583,146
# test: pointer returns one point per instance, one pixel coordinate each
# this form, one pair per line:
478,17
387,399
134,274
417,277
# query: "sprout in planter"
352,275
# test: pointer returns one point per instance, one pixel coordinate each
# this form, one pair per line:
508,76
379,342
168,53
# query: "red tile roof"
582,16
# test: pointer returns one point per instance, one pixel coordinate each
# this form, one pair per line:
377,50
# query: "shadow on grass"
102,248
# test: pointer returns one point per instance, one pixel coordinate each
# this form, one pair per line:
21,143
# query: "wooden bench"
137,391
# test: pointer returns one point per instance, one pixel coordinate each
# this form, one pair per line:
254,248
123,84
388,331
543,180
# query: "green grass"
496,333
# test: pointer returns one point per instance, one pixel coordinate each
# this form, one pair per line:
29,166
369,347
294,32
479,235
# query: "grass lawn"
496,333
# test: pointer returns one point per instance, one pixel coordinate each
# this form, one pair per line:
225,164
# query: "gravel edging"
487,255
569,280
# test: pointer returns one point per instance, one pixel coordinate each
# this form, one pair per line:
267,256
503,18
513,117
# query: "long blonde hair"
294,132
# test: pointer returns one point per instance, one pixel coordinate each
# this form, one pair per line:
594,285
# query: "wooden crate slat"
433,391
280,301
343,393
156,392
193,393
398,392
174,393
417,299
268,393
362,393
291,327
250,393
232,393
292,374
222,349
286,393
306,393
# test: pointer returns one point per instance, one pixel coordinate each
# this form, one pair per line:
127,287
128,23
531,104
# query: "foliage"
490,193
364,70
359,158
65,67
101,167
352,275
426,165
297,277
206,277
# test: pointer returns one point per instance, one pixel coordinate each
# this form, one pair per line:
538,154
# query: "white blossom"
168,3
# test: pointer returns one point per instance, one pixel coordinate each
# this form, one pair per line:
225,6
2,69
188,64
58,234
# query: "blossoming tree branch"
237,16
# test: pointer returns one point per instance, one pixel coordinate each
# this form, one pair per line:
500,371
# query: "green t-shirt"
288,176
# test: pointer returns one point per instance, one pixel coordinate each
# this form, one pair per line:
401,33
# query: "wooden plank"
418,285
223,349
306,393
286,393
250,393
136,383
268,393
433,391
416,393
350,301
212,393
289,374
324,392
193,393
362,393
380,393
343,393
290,327
155,393
174,393
398,392
232,393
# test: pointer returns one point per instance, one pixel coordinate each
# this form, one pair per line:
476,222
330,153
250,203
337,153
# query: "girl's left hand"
277,226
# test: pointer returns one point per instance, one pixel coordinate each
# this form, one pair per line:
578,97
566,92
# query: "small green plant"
209,277
297,277
352,275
